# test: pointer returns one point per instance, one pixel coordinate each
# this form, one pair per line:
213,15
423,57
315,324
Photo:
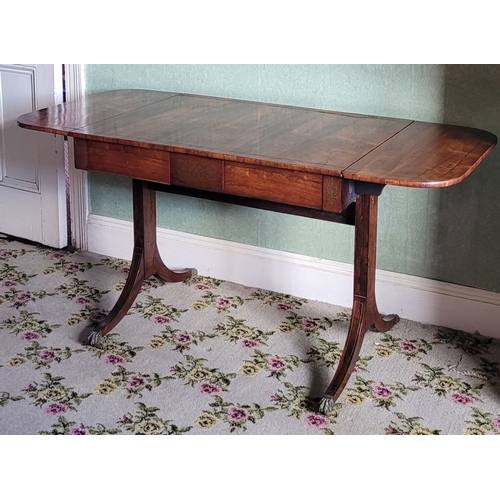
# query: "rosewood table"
308,162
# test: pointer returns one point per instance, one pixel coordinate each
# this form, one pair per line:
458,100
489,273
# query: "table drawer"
196,172
129,161
301,189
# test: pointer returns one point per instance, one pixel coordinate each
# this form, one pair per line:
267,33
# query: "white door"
32,171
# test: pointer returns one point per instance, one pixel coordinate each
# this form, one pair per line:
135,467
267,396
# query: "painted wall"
451,234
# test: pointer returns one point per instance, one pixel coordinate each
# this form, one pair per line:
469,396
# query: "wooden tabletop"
364,148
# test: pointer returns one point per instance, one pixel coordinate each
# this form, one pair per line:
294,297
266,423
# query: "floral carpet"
214,357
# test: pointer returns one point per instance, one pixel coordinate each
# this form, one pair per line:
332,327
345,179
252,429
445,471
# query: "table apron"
282,186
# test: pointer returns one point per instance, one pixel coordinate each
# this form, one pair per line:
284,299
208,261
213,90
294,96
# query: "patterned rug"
214,357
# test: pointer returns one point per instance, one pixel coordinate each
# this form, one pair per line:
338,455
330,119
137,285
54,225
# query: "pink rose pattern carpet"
213,357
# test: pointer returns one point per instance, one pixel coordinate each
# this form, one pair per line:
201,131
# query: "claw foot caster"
325,406
94,339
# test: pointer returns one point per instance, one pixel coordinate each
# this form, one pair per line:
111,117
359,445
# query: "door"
32,165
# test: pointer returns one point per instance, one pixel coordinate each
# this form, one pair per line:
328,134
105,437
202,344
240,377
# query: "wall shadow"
467,241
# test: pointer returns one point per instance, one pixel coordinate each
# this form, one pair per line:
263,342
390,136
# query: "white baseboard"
417,299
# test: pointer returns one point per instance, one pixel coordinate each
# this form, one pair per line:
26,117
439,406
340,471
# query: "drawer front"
129,161
196,172
273,184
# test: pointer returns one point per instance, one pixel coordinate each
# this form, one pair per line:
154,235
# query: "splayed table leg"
365,314
146,261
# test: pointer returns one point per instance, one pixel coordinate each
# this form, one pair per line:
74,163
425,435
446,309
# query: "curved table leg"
169,276
383,324
129,293
355,336
365,314
146,261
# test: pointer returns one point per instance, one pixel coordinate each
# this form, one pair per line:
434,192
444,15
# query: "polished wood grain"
196,172
365,148
93,109
128,161
300,189
254,133
424,155
322,164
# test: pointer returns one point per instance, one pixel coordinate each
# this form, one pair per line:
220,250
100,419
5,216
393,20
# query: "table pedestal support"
146,260
365,314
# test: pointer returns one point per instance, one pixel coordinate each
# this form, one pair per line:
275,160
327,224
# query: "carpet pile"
214,357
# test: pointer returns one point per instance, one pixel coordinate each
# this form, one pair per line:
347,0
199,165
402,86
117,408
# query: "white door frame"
78,184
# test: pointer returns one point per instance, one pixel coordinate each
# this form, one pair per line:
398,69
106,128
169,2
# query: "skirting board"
417,299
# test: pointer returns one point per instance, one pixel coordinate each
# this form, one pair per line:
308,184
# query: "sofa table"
308,162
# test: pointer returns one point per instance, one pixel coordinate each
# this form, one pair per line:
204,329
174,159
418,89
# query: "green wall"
450,234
